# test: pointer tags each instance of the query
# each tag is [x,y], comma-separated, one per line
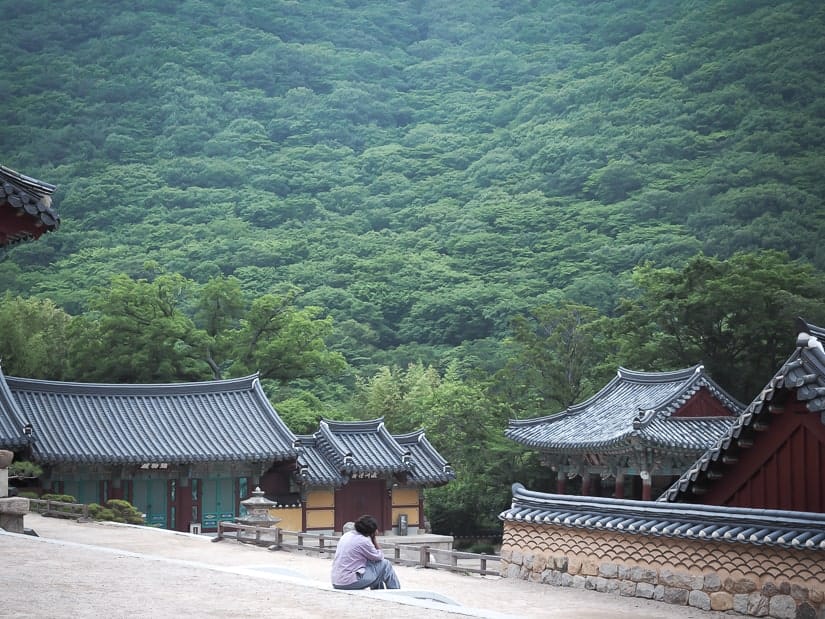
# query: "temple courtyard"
[93,569]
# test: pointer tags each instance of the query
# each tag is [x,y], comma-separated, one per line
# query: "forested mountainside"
[474,186]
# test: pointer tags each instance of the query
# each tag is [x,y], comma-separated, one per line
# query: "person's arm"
[370,549]
[374,539]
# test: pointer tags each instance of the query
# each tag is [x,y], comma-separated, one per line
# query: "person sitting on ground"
[359,562]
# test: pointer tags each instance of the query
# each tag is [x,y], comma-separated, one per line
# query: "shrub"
[63,498]
[116,510]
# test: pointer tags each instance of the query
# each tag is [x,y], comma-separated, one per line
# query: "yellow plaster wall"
[405,496]
[320,519]
[320,498]
[290,518]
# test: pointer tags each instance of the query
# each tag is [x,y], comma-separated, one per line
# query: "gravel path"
[104,570]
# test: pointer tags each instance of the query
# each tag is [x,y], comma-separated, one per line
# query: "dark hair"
[366,525]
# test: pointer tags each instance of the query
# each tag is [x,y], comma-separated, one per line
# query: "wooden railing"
[420,555]
[61,509]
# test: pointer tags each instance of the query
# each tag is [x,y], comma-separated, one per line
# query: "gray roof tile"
[227,420]
[751,526]
[633,406]
[340,449]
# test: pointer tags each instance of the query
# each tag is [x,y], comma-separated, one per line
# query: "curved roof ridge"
[369,425]
[113,389]
[667,376]
[331,442]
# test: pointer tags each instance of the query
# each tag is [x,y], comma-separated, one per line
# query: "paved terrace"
[96,570]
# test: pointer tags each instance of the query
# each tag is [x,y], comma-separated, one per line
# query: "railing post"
[453,559]
[321,544]
[424,556]
[483,564]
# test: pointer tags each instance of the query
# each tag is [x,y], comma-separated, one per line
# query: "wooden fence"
[420,555]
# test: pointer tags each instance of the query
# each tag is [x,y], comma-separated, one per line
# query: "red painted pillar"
[619,490]
[647,483]
[561,483]
[585,484]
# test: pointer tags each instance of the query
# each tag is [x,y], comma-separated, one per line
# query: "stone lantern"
[257,510]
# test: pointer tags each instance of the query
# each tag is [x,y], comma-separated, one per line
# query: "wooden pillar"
[619,489]
[561,483]
[647,483]
[585,483]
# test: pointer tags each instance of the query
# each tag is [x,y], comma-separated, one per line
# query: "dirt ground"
[104,570]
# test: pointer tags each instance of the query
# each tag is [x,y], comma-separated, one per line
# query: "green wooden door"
[83,490]
[150,496]
[218,501]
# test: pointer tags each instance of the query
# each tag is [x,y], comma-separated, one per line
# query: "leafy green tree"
[557,354]
[138,333]
[33,337]
[283,341]
[736,316]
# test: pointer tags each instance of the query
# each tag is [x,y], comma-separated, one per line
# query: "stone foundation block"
[699,599]
[645,590]
[673,595]
[721,600]
[627,588]
[782,607]
[609,570]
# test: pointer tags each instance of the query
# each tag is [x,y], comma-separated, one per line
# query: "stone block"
[578,582]
[758,605]
[527,559]
[625,572]
[805,611]
[659,593]
[699,599]
[642,574]
[674,595]
[590,567]
[505,553]
[645,590]
[721,600]
[799,593]
[551,577]
[516,557]
[677,580]
[560,563]
[567,579]
[611,585]
[770,588]
[740,585]
[627,588]
[574,565]
[740,603]
[512,571]
[609,570]
[816,596]
[712,582]
[782,607]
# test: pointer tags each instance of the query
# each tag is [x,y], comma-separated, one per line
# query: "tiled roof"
[637,406]
[226,420]
[30,198]
[361,447]
[803,372]
[728,524]
[341,449]
[313,468]
[428,467]
[12,434]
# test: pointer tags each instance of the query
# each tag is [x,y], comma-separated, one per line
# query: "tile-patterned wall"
[711,575]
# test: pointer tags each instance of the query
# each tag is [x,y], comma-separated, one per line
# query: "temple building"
[26,211]
[188,454]
[349,468]
[184,454]
[773,455]
[642,430]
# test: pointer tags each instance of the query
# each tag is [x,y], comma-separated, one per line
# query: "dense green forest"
[446,213]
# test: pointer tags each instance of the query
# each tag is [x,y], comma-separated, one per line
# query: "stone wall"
[759,581]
